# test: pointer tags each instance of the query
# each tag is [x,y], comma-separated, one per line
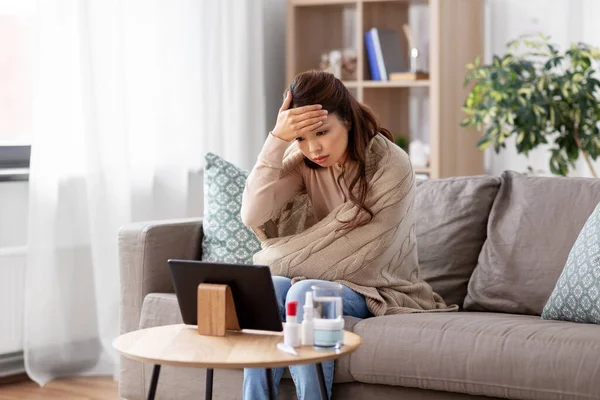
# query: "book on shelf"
[408,76]
[371,55]
[384,53]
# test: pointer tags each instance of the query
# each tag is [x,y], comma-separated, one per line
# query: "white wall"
[566,21]
[274,50]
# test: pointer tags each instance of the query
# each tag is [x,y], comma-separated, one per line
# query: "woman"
[331,198]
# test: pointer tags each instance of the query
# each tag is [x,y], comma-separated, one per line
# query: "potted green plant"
[540,95]
[401,142]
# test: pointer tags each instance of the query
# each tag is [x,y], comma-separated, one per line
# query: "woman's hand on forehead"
[298,121]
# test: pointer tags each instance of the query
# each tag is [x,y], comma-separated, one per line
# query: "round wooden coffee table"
[182,346]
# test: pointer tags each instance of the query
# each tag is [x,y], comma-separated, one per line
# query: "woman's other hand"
[298,121]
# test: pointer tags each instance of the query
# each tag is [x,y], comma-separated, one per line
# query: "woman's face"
[328,145]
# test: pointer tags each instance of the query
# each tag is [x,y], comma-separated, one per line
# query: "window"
[16,91]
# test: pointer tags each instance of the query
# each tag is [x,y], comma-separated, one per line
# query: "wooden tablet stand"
[216,310]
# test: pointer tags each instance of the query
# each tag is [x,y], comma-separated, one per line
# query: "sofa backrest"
[452,216]
[533,224]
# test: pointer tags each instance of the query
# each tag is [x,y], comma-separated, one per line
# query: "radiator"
[12,272]
[11,364]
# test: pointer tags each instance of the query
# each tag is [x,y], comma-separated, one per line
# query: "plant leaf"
[483,143]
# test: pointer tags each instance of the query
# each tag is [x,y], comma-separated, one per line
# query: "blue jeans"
[305,376]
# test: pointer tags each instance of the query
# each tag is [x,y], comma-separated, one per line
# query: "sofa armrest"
[144,249]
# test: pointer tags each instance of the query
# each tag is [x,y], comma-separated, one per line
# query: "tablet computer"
[251,287]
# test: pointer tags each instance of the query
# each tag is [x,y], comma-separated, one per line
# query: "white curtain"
[128,97]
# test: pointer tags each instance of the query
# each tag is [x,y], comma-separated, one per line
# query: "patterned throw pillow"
[226,238]
[576,296]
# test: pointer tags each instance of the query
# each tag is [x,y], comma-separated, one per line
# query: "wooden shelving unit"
[391,84]
[456,33]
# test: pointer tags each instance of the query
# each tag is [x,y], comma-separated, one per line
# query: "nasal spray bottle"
[307,321]
[291,331]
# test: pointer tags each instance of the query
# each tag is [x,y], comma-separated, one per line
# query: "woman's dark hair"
[319,87]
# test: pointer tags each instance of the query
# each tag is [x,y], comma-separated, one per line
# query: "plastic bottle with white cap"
[307,321]
[290,330]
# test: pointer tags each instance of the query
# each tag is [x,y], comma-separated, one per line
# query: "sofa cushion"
[532,226]
[226,238]
[451,228]
[576,296]
[492,354]
[163,309]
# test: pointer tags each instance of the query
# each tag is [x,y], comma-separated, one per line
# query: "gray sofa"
[494,245]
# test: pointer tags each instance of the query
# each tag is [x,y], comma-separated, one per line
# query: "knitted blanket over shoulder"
[378,260]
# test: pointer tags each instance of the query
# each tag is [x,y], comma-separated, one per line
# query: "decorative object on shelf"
[541,95]
[342,64]
[419,154]
[324,64]
[414,55]
[414,59]
[349,61]
[335,63]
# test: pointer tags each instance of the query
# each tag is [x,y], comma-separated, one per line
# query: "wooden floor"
[104,388]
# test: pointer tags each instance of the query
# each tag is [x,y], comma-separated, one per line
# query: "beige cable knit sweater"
[377,260]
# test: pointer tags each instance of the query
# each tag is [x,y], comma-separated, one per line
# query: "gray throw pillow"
[451,229]
[576,296]
[532,226]
[226,238]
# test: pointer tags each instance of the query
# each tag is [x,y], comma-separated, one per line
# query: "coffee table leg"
[270,388]
[209,383]
[154,382]
[322,386]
